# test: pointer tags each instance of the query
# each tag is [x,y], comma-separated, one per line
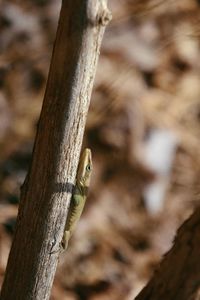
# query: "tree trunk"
[47,189]
[178,276]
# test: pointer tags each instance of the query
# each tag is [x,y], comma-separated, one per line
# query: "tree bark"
[178,276]
[47,189]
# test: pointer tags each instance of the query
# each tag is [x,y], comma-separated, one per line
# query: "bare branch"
[178,276]
[47,189]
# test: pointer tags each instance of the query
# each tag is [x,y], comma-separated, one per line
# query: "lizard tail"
[65,239]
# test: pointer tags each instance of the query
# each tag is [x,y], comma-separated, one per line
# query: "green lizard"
[79,195]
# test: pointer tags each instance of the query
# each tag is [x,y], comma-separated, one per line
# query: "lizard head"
[85,168]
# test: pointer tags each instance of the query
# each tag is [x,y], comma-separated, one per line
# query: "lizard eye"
[88,168]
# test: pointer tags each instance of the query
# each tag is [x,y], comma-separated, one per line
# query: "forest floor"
[143,128]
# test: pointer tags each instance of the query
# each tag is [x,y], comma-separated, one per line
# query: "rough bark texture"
[47,189]
[178,276]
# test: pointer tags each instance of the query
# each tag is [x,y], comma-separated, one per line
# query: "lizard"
[79,196]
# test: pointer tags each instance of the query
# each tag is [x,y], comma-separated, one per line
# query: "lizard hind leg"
[65,239]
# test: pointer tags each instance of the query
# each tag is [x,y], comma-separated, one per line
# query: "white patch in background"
[159,152]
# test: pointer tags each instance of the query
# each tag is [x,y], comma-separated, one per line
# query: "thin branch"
[47,189]
[178,276]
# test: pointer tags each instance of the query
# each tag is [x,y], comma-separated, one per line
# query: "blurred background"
[143,128]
